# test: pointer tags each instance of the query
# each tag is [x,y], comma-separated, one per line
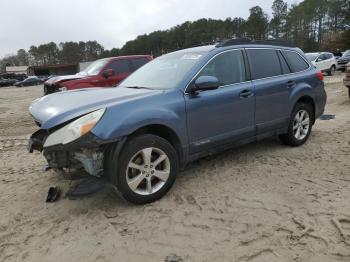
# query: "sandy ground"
[260,202]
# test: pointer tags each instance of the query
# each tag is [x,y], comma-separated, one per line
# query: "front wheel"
[300,125]
[146,169]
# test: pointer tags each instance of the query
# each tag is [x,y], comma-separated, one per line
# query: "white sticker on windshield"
[191,56]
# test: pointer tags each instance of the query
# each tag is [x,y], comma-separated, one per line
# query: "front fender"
[168,110]
[71,85]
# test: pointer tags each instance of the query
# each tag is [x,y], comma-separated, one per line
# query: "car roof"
[218,47]
[127,57]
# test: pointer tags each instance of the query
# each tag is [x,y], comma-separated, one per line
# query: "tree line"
[313,25]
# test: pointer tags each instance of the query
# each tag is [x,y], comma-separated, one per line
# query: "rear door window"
[120,66]
[227,67]
[264,63]
[295,61]
[138,62]
[329,56]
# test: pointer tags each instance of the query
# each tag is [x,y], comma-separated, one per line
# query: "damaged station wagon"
[177,108]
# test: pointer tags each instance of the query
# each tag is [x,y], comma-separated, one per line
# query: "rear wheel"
[145,169]
[331,71]
[300,125]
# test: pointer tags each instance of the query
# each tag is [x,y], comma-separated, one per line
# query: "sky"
[110,22]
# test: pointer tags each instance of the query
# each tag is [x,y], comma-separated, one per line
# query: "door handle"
[246,93]
[291,84]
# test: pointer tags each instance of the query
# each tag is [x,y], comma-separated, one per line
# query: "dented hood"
[58,79]
[52,110]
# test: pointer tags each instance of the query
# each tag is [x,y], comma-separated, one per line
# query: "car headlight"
[75,129]
[63,88]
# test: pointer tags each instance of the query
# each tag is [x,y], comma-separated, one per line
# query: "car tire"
[136,173]
[331,71]
[300,125]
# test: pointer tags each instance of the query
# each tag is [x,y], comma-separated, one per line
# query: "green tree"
[257,23]
[279,15]
[70,52]
[22,57]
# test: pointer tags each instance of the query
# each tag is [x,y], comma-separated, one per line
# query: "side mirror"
[108,73]
[206,83]
[319,60]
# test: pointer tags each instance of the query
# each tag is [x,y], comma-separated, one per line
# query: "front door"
[226,114]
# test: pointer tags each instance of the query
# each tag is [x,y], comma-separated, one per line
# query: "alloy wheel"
[301,124]
[332,70]
[148,171]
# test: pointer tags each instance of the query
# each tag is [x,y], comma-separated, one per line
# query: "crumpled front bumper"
[86,152]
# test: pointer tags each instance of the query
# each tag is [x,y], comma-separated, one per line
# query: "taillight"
[319,75]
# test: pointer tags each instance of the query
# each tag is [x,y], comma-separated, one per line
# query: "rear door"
[321,62]
[272,89]
[330,60]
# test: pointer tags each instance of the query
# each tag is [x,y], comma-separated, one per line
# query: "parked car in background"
[17,77]
[44,78]
[346,79]
[344,60]
[337,55]
[7,82]
[177,108]
[30,81]
[107,72]
[324,61]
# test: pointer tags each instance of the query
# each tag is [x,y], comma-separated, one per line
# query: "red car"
[107,72]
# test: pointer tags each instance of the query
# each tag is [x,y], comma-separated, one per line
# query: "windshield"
[165,72]
[347,53]
[94,68]
[312,57]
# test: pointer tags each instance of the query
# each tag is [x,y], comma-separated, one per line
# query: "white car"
[324,62]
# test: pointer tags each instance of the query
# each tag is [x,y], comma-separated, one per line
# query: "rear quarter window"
[284,65]
[264,63]
[295,61]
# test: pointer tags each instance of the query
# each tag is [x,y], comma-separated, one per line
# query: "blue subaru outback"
[177,108]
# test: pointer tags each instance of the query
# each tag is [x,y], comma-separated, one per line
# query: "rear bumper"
[320,102]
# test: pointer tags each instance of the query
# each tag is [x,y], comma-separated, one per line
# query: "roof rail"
[245,41]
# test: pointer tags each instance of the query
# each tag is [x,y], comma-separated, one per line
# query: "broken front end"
[72,146]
